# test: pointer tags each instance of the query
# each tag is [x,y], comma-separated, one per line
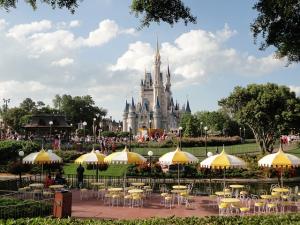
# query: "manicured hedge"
[214,220]
[9,149]
[15,208]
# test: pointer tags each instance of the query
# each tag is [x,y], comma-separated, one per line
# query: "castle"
[156,109]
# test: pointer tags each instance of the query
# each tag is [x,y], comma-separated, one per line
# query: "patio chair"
[115,199]
[223,209]
[168,201]
[127,200]
[272,207]
[84,193]
[137,200]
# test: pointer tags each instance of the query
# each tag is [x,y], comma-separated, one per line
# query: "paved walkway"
[94,208]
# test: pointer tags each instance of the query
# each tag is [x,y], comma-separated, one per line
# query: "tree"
[169,11]
[71,5]
[78,108]
[267,109]
[278,22]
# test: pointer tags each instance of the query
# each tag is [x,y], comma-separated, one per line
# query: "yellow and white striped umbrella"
[223,161]
[42,157]
[279,159]
[177,157]
[124,157]
[93,157]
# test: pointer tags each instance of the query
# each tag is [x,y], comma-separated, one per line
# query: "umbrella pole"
[42,171]
[97,173]
[224,178]
[178,172]
[281,177]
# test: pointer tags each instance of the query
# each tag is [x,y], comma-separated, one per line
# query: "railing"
[27,209]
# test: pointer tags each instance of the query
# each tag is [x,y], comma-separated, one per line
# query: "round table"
[56,187]
[138,184]
[230,200]
[267,197]
[179,187]
[222,193]
[97,184]
[281,190]
[236,186]
[115,189]
[36,185]
[132,191]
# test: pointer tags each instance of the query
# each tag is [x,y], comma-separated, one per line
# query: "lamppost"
[201,123]
[244,133]
[209,154]
[240,132]
[180,134]
[94,129]
[21,154]
[50,124]
[150,124]
[150,154]
[205,130]
[84,124]
[130,131]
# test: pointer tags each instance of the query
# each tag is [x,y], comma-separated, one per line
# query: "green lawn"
[112,170]
[200,151]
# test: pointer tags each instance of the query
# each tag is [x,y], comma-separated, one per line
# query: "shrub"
[9,149]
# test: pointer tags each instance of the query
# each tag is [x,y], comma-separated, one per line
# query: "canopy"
[281,160]
[124,157]
[93,157]
[223,161]
[42,157]
[177,157]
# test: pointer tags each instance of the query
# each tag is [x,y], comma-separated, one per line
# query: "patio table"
[36,185]
[267,197]
[115,189]
[281,190]
[140,184]
[133,191]
[230,200]
[222,193]
[179,187]
[236,186]
[56,187]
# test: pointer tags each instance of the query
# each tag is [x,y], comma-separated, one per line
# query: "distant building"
[43,124]
[156,108]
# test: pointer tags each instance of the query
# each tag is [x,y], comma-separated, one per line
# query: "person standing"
[80,171]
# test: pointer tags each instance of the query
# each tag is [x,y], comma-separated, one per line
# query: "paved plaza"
[94,208]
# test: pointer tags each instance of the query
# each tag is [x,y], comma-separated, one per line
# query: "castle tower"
[187,108]
[157,115]
[132,119]
[158,87]
[125,117]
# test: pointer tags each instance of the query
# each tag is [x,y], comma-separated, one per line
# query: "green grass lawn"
[112,170]
[200,151]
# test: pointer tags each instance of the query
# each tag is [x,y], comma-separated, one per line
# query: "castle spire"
[187,108]
[132,102]
[157,55]
[126,107]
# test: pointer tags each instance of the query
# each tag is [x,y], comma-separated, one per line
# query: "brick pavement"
[94,208]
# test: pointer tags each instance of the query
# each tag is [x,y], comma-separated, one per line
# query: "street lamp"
[244,133]
[84,124]
[50,124]
[240,132]
[180,134]
[94,129]
[150,154]
[201,123]
[21,154]
[205,130]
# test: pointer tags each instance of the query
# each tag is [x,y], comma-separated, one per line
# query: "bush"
[68,155]
[274,219]
[15,208]
[9,149]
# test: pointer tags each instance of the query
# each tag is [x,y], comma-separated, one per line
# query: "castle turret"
[157,115]
[187,108]
[132,119]
[125,116]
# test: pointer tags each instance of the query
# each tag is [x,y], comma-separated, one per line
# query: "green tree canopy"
[78,108]
[267,109]
[278,23]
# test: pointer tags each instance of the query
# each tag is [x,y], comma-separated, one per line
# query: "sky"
[99,51]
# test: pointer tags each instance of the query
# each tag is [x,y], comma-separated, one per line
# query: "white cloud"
[196,56]
[74,23]
[63,62]
[107,30]
[20,31]
[3,24]
[295,89]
